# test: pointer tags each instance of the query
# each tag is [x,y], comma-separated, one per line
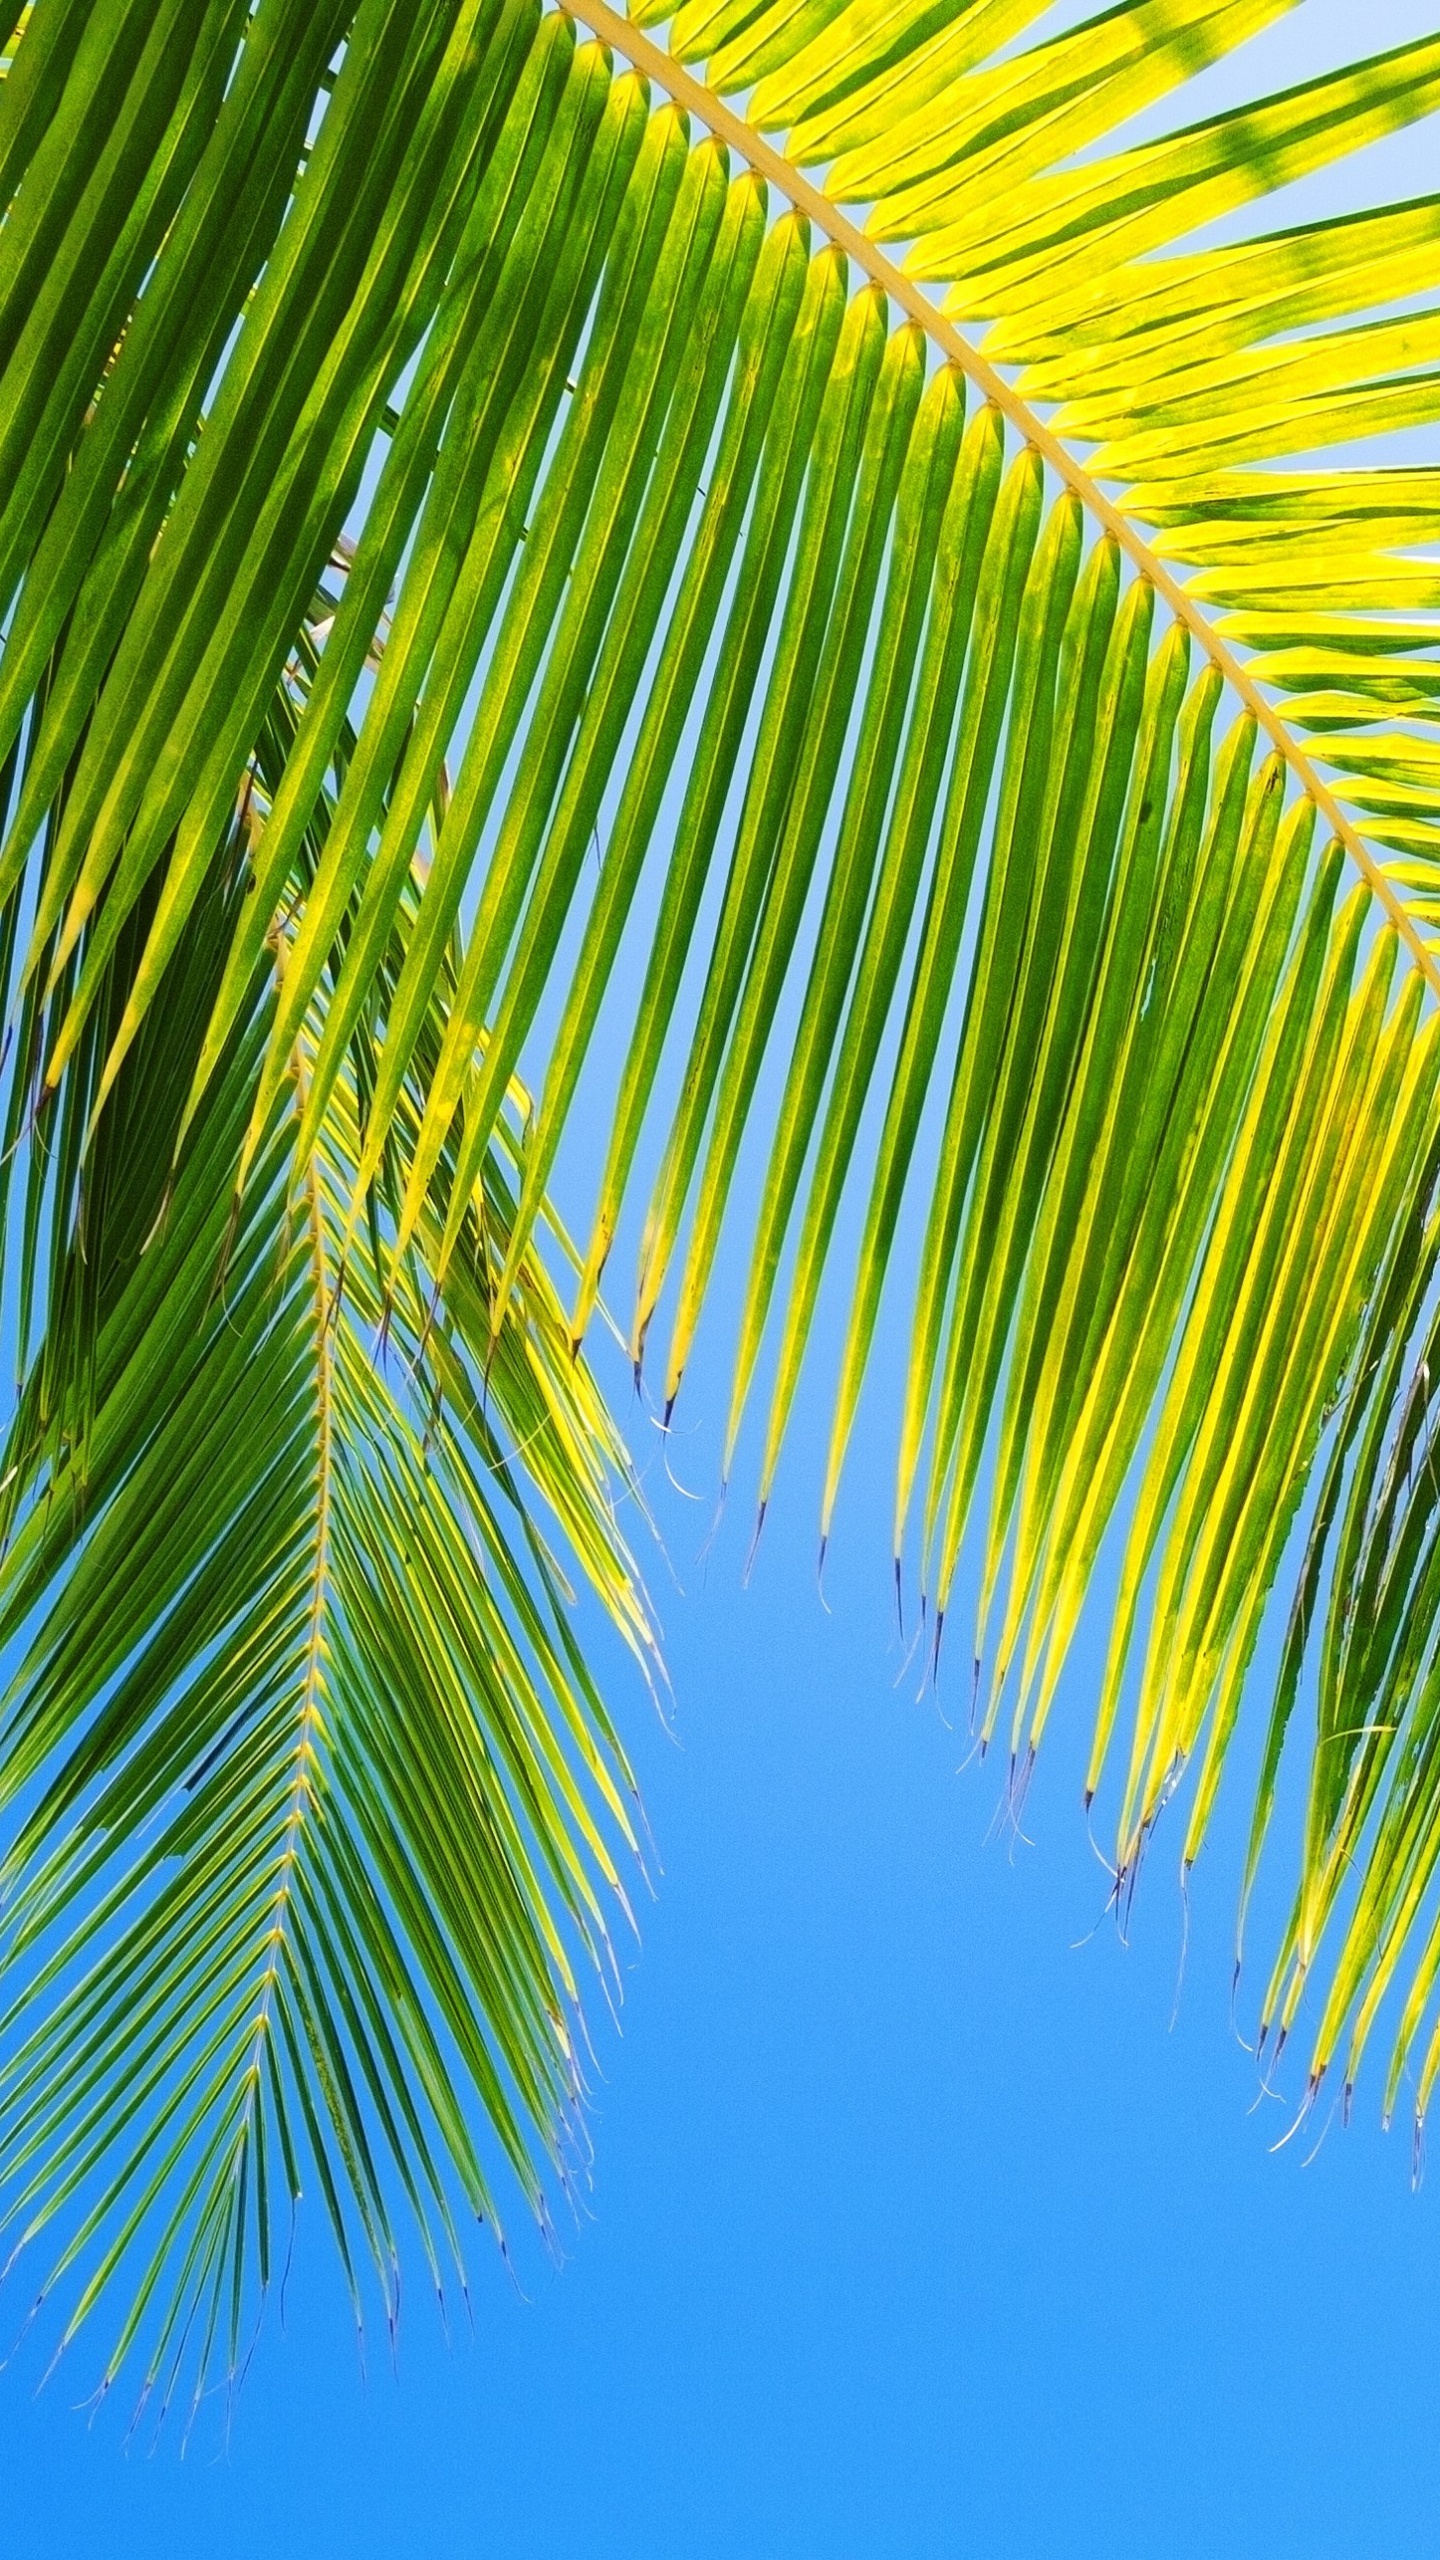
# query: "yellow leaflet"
[1405,759]
[1347,585]
[877,62]
[1148,196]
[1342,359]
[1293,620]
[1316,498]
[1129,322]
[1301,427]
[995,130]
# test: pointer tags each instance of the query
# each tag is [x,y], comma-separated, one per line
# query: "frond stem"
[303,1786]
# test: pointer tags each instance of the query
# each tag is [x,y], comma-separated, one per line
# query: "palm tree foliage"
[1011,759]
[313,1794]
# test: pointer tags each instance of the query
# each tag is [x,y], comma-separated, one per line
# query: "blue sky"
[915,2227]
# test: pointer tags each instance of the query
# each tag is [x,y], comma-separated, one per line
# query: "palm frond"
[976,730]
[313,1803]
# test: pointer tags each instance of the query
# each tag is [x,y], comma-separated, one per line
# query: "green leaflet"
[708,281]
[830,698]
[924,511]
[840,434]
[964,546]
[997,613]
[764,334]
[789,429]
[462,549]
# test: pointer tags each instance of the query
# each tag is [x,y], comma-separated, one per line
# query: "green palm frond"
[313,1801]
[821,464]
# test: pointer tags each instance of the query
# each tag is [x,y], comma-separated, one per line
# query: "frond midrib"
[692,95]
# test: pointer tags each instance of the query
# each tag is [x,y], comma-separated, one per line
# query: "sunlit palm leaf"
[957,857]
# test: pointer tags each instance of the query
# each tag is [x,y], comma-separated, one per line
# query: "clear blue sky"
[915,2229]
